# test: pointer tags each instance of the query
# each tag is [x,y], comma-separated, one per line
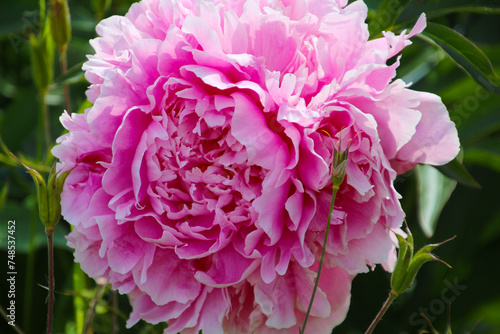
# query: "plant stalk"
[15,327]
[92,307]
[50,304]
[43,126]
[64,69]
[392,296]
[332,203]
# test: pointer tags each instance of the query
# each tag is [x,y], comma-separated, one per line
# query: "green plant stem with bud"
[60,23]
[392,296]
[405,271]
[338,174]
[327,230]
[49,209]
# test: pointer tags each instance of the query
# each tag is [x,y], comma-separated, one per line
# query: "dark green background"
[471,214]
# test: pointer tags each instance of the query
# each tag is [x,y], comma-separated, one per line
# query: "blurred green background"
[472,286]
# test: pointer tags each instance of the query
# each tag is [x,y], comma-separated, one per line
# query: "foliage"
[456,58]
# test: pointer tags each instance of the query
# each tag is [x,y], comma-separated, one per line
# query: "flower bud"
[54,189]
[408,264]
[101,7]
[41,192]
[42,58]
[60,22]
[48,194]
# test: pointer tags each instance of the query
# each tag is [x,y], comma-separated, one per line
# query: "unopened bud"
[60,23]
[42,58]
[408,264]
[101,7]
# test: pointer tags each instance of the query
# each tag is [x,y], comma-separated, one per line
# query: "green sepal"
[415,266]
[56,183]
[41,192]
[408,263]
[429,248]
[402,264]
[55,206]
[60,22]
[42,58]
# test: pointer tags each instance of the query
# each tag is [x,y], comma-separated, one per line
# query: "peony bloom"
[201,175]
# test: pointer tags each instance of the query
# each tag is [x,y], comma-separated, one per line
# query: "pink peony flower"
[201,175]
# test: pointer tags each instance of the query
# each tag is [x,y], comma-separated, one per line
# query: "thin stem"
[79,284]
[332,203]
[50,243]
[4,315]
[41,4]
[392,296]
[91,311]
[46,120]
[43,126]
[64,69]
[114,321]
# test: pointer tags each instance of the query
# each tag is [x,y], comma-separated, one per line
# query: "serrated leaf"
[456,171]
[434,190]
[464,53]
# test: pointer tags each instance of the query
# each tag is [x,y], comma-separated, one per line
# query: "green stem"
[64,69]
[392,296]
[42,13]
[43,126]
[114,321]
[4,315]
[46,121]
[91,311]
[50,245]
[332,203]
[79,285]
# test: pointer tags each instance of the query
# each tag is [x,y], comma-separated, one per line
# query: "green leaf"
[386,15]
[484,157]
[438,8]
[463,9]
[464,53]
[456,171]
[434,190]
[73,75]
